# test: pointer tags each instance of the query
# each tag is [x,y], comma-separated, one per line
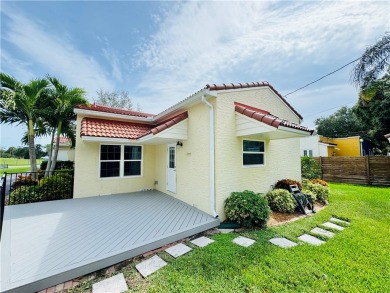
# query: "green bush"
[321,192]
[285,184]
[281,200]
[24,180]
[56,186]
[310,196]
[247,208]
[24,194]
[310,169]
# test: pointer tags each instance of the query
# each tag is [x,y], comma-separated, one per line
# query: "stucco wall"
[192,162]
[349,146]
[87,181]
[282,156]
[66,154]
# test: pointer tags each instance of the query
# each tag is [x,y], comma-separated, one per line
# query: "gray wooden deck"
[44,244]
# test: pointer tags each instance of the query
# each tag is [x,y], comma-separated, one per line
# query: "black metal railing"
[29,187]
[2,201]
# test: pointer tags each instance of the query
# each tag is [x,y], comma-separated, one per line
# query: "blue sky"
[162,52]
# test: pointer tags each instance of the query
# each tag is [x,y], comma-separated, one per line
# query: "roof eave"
[148,120]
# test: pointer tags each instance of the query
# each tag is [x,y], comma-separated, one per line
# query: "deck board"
[44,244]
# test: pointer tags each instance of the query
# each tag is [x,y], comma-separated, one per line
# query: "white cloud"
[54,54]
[201,42]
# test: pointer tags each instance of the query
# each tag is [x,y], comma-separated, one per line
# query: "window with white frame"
[120,160]
[307,153]
[253,152]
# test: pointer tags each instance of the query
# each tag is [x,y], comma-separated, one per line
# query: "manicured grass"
[16,165]
[355,260]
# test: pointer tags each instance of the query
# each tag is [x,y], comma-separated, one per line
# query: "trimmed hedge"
[247,208]
[281,200]
[60,165]
[321,192]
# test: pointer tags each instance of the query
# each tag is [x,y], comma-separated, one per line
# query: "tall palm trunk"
[31,146]
[55,154]
[49,161]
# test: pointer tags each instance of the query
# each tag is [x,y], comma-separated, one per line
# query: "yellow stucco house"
[224,138]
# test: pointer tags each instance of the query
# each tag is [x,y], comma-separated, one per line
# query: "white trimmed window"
[253,153]
[120,160]
[307,153]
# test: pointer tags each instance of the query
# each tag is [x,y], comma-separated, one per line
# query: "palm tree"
[19,105]
[61,116]
[374,61]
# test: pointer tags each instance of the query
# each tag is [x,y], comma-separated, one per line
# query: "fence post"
[368,170]
[322,175]
[3,181]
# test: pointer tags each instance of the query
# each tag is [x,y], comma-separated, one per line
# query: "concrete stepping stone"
[226,231]
[333,219]
[322,232]
[150,265]
[243,241]
[310,239]
[202,241]
[115,284]
[283,242]
[178,250]
[333,226]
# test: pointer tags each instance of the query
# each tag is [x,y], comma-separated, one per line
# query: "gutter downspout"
[212,157]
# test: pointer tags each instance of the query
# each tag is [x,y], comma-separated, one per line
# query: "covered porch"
[47,243]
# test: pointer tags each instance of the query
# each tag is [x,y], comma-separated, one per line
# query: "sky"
[162,52]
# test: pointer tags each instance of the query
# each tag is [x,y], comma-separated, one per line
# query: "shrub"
[24,194]
[56,186]
[285,184]
[247,208]
[310,196]
[321,192]
[310,169]
[281,200]
[319,181]
[60,165]
[26,180]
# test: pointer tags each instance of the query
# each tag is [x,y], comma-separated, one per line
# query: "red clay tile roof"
[267,118]
[118,129]
[230,86]
[63,140]
[112,129]
[112,110]
[166,124]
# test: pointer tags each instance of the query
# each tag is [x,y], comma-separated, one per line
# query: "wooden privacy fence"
[358,170]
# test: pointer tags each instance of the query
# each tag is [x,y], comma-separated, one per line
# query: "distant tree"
[342,123]
[373,110]
[373,62]
[39,151]
[19,105]
[116,99]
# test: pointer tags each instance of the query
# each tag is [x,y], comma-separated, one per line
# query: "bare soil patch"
[277,218]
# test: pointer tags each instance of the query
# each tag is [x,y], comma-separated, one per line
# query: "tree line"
[370,116]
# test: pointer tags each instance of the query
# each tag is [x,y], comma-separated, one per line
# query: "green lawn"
[354,260]
[16,165]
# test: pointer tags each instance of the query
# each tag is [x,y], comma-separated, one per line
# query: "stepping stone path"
[322,232]
[243,241]
[115,284]
[202,241]
[333,226]
[150,265]
[282,242]
[339,221]
[178,250]
[310,239]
